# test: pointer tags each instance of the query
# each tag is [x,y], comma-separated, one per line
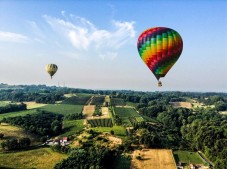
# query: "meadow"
[63,109]
[4,103]
[117,102]
[40,158]
[118,130]
[18,113]
[128,115]
[153,159]
[186,157]
[72,127]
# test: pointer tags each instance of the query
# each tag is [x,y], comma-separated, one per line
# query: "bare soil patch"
[181,104]
[153,158]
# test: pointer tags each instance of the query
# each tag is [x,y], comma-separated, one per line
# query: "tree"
[1,135]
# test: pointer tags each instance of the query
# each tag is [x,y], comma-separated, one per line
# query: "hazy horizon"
[95,48]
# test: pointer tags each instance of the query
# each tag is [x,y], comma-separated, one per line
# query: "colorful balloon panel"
[160,48]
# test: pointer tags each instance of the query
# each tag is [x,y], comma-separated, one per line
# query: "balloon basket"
[159,84]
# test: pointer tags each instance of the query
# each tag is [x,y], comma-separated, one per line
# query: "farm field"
[98,100]
[4,103]
[10,131]
[186,156]
[72,126]
[181,104]
[117,102]
[76,100]
[89,110]
[126,112]
[63,109]
[18,113]
[41,158]
[153,158]
[131,104]
[100,122]
[33,105]
[128,115]
[118,130]
[107,98]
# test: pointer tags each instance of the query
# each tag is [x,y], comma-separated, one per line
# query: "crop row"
[102,122]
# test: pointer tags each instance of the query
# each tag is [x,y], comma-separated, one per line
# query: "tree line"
[13,108]
[41,123]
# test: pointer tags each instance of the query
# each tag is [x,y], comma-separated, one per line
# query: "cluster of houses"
[58,141]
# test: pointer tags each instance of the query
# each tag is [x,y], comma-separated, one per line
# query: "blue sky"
[94,43]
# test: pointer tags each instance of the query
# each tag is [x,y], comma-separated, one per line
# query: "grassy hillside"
[76,100]
[186,156]
[72,126]
[63,109]
[129,116]
[19,113]
[4,103]
[118,130]
[117,102]
[41,158]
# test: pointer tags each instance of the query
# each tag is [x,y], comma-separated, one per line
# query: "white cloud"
[83,35]
[12,37]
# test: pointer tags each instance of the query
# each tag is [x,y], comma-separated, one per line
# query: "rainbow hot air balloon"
[160,48]
[51,69]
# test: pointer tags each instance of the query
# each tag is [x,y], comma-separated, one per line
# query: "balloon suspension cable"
[159,83]
[51,77]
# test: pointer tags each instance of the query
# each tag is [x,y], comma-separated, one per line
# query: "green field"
[72,126]
[10,131]
[76,100]
[186,156]
[118,130]
[117,102]
[4,103]
[41,158]
[100,122]
[126,112]
[131,104]
[63,109]
[18,113]
[98,100]
[128,115]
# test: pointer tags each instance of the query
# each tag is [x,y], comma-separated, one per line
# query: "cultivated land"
[181,104]
[41,158]
[63,109]
[72,127]
[76,100]
[97,100]
[88,111]
[4,103]
[33,105]
[153,159]
[118,130]
[128,115]
[18,113]
[10,131]
[186,157]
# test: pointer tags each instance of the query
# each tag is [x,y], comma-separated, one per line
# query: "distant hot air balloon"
[160,48]
[51,69]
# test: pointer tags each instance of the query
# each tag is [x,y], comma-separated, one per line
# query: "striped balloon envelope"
[160,48]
